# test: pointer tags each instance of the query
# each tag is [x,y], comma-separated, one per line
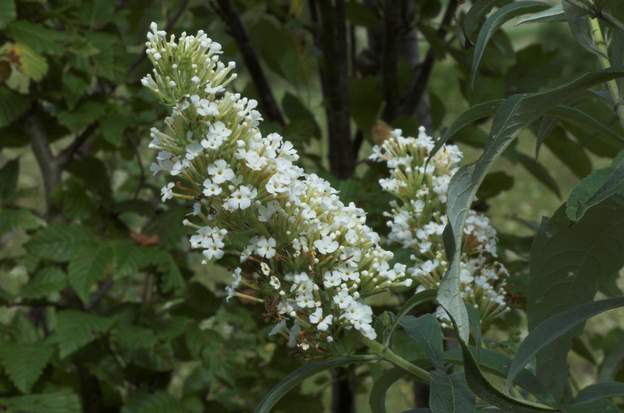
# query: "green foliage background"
[103,308]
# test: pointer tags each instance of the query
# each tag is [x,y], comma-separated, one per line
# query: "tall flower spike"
[308,257]
[418,218]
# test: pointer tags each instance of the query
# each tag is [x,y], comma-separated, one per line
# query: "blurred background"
[102,307]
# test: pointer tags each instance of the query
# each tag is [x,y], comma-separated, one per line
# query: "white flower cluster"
[308,257]
[418,218]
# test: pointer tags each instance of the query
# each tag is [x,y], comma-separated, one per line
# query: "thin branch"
[69,152]
[416,92]
[334,72]
[390,60]
[236,29]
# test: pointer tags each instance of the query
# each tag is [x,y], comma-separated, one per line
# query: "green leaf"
[557,326]
[493,184]
[497,19]
[476,112]
[569,262]
[512,115]
[569,152]
[581,118]
[600,391]
[57,402]
[536,169]
[594,189]
[38,37]
[12,105]
[296,377]
[414,301]
[450,394]
[32,64]
[553,14]
[8,179]
[57,242]
[159,402]
[578,21]
[473,18]
[45,282]
[24,363]
[83,116]
[426,332]
[7,12]
[485,390]
[18,218]
[76,329]
[365,101]
[87,265]
[377,398]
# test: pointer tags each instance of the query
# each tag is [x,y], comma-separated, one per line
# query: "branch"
[390,60]
[416,92]
[48,164]
[68,153]
[334,71]
[268,103]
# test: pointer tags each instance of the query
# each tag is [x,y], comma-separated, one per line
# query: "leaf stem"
[390,356]
[603,58]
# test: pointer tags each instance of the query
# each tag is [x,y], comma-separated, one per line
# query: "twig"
[69,152]
[390,60]
[268,103]
[416,92]
[334,71]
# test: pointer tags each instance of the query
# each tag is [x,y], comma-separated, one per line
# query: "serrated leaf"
[24,363]
[596,188]
[8,179]
[18,218]
[82,116]
[296,377]
[45,282]
[159,402]
[32,64]
[7,12]
[40,38]
[450,394]
[496,20]
[57,402]
[515,113]
[555,327]
[87,265]
[57,242]
[76,329]
[12,105]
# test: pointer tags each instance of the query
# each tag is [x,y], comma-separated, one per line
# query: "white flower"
[166,191]
[275,282]
[324,325]
[204,107]
[211,188]
[217,134]
[316,316]
[326,245]
[265,247]
[220,171]
[241,198]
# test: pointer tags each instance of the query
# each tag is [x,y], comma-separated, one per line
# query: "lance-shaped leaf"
[496,20]
[449,394]
[555,327]
[296,377]
[600,391]
[515,113]
[377,398]
[553,14]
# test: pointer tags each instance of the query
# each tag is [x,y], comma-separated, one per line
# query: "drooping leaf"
[569,263]
[516,112]
[377,398]
[493,184]
[485,390]
[568,152]
[555,327]
[296,377]
[449,394]
[497,19]
[24,363]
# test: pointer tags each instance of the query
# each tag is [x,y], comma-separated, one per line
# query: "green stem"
[603,58]
[385,353]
